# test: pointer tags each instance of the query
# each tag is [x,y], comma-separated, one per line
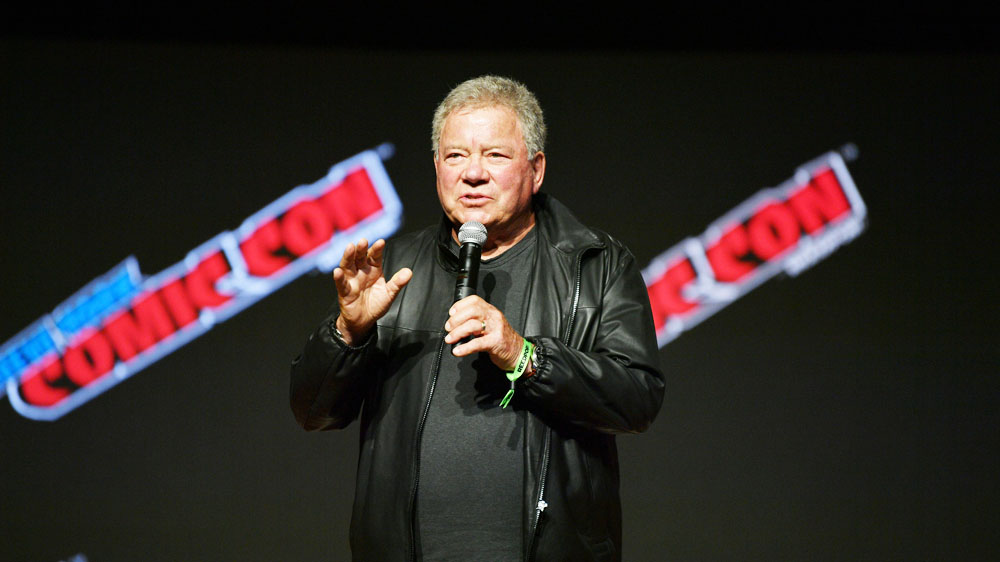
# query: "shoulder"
[565,232]
[613,256]
[612,245]
[604,259]
[573,236]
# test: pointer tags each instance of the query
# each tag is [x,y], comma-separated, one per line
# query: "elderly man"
[560,328]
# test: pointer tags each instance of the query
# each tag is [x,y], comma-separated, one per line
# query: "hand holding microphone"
[472,322]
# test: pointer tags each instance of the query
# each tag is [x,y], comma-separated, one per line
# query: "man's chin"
[482,218]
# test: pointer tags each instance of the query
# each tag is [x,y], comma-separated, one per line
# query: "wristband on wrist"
[339,336]
[527,350]
[338,333]
[534,363]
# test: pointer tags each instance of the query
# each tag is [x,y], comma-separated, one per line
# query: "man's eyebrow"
[500,146]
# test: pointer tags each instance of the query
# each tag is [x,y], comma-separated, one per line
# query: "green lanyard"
[522,365]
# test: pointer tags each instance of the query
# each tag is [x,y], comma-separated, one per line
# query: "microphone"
[471,236]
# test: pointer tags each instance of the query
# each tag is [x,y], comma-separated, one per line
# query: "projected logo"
[121,322]
[785,229]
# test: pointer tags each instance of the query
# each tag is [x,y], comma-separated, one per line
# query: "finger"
[470,328]
[374,258]
[340,280]
[479,314]
[375,253]
[469,301]
[361,254]
[347,262]
[503,346]
[468,307]
[474,345]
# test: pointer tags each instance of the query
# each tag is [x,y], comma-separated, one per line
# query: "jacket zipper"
[416,460]
[540,505]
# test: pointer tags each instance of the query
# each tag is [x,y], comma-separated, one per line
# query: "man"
[561,327]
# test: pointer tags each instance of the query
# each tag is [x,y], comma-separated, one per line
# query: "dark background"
[850,413]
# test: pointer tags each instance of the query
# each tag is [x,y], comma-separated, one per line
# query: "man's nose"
[474,172]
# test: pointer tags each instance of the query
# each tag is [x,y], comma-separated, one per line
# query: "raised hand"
[363,293]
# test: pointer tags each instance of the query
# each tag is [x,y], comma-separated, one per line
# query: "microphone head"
[472,231]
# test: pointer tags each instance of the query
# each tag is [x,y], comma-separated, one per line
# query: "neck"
[499,240]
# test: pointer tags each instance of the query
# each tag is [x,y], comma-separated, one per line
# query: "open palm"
[363,293]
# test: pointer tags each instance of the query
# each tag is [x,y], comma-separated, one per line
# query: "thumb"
[398,281]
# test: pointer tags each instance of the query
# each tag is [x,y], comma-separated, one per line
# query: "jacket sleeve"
[330,379]
[616,385]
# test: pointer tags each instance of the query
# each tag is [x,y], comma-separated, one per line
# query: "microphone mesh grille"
[472,231]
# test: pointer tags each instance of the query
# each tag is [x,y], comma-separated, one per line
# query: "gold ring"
[484,327]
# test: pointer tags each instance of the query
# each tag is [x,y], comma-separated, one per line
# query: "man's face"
[483,170]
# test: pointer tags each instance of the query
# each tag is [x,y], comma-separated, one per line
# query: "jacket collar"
[560,228]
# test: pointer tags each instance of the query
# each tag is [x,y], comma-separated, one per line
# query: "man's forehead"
[472,108]
[509,118]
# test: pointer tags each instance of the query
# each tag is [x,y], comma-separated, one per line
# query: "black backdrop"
[848,413]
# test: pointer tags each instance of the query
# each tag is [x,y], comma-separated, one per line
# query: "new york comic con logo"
[781,230]
[122,322]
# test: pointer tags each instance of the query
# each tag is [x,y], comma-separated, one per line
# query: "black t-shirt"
[471,452]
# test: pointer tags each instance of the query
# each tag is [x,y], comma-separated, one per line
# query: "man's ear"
[538,165]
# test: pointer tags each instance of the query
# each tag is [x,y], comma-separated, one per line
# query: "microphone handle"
[468,273]
[461,292]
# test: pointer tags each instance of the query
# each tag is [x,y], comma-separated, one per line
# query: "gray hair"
[486,91]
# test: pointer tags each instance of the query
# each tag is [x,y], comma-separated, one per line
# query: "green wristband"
[522,365]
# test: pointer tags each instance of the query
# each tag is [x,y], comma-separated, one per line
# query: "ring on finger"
[483,330]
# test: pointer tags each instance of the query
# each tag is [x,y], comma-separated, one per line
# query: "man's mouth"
[473,198]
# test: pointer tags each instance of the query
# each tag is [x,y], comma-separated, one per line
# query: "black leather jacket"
[598,374]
